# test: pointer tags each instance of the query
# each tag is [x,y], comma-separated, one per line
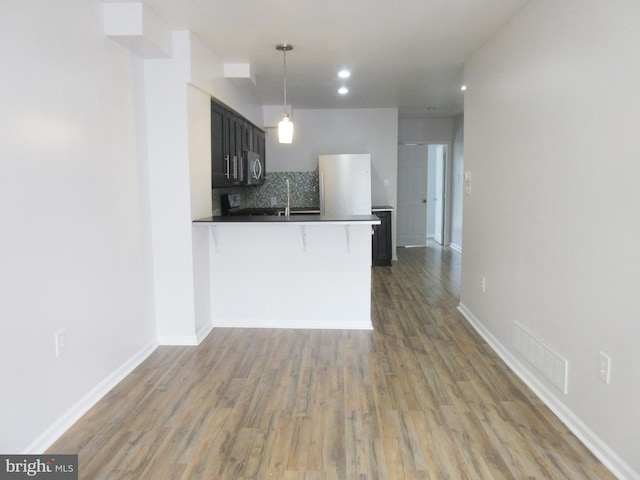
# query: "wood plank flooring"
[420,397]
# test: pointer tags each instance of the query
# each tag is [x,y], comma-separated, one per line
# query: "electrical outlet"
[604,367]
[483,283]
[60,339]
[274,201]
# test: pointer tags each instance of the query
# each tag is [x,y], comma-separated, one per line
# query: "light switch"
[467,183]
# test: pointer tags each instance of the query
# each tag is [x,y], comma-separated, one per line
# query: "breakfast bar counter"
[297,271]
[294,218]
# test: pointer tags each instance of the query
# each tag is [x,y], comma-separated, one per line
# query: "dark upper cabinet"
[225,163]
[258,144]
[235,126]
[247,137]
[219,147]
[231,135]
[381,248]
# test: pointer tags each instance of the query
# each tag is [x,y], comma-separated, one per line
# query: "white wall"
[207,73]
[74,246]
[369,130]
[98,199]
[165,93]
[199,126]
[324,269]
[176,92]
[425,130]
[457,176]
[551,139]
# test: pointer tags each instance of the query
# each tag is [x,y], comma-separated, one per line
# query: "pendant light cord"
[284,65]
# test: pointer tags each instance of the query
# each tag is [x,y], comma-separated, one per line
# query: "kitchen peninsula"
[298,271]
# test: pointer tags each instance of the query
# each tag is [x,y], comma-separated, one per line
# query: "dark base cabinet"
[381,247]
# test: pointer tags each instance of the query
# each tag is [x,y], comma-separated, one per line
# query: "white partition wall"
[290,275]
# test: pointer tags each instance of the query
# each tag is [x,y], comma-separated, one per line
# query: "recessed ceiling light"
[463,88]
[344,73]
[343,90]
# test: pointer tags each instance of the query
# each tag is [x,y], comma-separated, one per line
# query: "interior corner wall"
[551,141]
[457,177]
[74,245]
[207,73]
[166,102]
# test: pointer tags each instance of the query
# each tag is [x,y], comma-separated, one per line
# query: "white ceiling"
[407,54]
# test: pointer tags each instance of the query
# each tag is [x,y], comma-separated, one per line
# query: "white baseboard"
[364,324]
[71,416]
[455,247]
[178,340]
[186,340]
[600,449]
[203,333]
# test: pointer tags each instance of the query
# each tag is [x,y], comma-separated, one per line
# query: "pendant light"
[285,127]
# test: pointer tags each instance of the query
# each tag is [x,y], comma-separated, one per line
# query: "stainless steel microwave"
[253,168]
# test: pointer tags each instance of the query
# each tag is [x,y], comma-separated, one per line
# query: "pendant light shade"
[285,127]
[285,130]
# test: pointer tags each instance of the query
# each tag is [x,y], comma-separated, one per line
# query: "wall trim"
[599,448]
[72,415]
[178,340]
[203,333]
[327,324]
[455,247]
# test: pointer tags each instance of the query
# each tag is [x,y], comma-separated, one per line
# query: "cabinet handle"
[235,167]
[322,203]
[227,160]
[257,170]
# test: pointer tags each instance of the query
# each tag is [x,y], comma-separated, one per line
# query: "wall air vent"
[540,355]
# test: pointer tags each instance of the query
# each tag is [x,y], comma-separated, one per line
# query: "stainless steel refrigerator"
[345,184]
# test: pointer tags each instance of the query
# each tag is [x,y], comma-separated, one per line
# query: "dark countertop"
[296,218]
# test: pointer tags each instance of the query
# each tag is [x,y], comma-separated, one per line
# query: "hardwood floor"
[422,396]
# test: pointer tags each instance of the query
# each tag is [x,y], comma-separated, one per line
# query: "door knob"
[424,200]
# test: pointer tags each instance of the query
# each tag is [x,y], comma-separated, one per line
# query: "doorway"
[422,172]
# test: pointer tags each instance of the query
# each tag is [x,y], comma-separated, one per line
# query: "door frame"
[439,170]
[447,185]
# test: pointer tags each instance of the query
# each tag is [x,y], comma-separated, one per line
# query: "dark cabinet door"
[226,147]
[219,147]
[235,138]
[259,145]
[247,137]
[381,248]
[232,157]
[239,139]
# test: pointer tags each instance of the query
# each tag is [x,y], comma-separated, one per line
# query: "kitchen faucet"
[287,209]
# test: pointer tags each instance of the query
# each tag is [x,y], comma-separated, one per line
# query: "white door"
[439,195]
[412,191]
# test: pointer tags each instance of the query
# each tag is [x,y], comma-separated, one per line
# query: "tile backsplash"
[303,191]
